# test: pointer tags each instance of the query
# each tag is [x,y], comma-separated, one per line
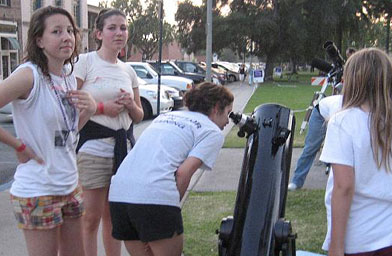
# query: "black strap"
[93,131]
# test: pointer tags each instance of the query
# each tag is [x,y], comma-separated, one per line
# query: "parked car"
[232,74]
[146,72]
[232,66]
[173,93]
[6,113]
[190,67]
[149,98]
[217,73]
[171,69]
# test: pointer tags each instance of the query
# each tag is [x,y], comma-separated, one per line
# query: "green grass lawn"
[203,213]
[295,95]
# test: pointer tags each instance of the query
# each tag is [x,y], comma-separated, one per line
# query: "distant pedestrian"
[350,51]
[103,141]
[145,193]
[358,145]
[251,75]
[242,73]
[48,111]
[315,136]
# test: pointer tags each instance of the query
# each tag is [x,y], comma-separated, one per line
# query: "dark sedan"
[170,68]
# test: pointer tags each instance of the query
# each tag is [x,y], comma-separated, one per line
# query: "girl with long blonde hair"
[358,145]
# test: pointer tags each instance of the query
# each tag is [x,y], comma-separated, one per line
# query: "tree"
[381,9]
[146,37]
[191,27]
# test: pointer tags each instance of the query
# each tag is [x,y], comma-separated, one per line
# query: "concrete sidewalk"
[226,173]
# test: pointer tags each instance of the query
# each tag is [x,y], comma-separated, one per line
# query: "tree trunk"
[293,66]
[388,28]
[269,67]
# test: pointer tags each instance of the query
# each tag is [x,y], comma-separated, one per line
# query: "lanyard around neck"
[70,124]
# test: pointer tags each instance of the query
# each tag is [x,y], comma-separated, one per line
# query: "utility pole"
[209,40]
[160,54]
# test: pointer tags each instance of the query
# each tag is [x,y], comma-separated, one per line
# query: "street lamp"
[209,40]
[160,2]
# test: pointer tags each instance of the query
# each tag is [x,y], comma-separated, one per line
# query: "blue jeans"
[313,141]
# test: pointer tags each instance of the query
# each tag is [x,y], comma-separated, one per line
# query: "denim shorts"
[145,222]
[47,212]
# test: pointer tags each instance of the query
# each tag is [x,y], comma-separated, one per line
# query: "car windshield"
[152,70]
[176,67]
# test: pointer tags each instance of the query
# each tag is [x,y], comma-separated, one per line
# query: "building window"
[58,3]
[37,4]
[5,2]
[77,12]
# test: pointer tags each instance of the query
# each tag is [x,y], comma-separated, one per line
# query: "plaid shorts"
[47,212]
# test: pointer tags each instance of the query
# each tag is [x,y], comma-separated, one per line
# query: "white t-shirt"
[347,142]
[147,174]
[40,122]
[103,80]
[330,105]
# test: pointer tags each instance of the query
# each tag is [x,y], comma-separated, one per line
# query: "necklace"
[66,107]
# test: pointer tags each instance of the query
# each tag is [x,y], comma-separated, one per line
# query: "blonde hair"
[368,82]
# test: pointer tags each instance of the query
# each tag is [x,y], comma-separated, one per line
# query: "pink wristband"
[100,108]
[21,148]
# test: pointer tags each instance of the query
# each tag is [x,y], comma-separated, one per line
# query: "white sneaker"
[292,187]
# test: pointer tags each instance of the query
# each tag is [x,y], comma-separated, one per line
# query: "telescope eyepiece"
[246,123]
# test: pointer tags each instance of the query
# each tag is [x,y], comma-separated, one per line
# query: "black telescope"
[333,53]
[258,227]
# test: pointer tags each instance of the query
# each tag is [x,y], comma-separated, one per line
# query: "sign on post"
[258,76]
[318,80]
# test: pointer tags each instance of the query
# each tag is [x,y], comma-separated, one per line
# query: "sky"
[170,7]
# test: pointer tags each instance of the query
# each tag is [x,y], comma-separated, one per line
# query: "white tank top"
[47,123]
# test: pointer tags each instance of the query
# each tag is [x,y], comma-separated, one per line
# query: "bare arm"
[17,86]
[8,139]
[342,195]
[184,173]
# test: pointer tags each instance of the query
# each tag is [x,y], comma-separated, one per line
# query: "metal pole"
[160,55]
[209,40]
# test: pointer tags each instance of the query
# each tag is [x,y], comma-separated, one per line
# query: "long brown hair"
[368,82]
[100,22]
[36,29]
[205,96]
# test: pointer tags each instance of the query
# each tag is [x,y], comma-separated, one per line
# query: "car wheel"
[232,78]
[146,109]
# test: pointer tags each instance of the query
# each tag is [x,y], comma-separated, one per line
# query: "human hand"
[83,101]
[27,154]
[125,99]
[112,108]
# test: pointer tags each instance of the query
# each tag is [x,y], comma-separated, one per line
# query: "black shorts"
[145,222]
